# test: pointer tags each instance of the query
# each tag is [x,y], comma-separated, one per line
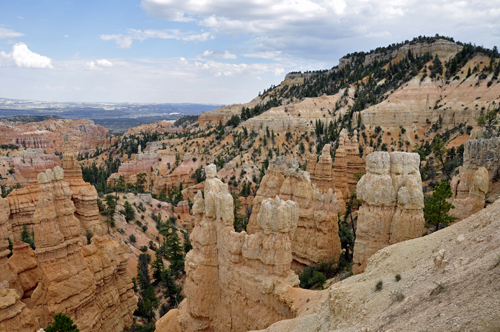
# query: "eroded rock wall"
[84,195]
[236,281]
[392,204]
[471,184]
[316,238]
[88,283]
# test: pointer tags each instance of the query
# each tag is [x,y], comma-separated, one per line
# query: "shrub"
[88,235]
[397,296]
[397,277]
[440,288]
[379,286]
[144,248]
[132,238]
[144,228]
[62,323]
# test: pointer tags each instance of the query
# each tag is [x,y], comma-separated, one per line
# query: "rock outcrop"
[392,204]
[449,282]
[23,201]
[88,283]
[347,164]
[233,278]
[316,238]
[84,195]
[14,315]
[470,186]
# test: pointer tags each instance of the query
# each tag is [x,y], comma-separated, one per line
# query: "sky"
[206,51]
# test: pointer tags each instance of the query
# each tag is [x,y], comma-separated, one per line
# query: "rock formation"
[23,201]
[449,282]
[88,283]
[392,204]
[316,238]
[347,164]
[235,281]
[84,195]
[470,186]
[14,315]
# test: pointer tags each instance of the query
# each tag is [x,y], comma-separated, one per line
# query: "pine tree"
[171,291]
[157,267]
[129,211]
[175,254]
[26,237]
[62,323]
[436,208]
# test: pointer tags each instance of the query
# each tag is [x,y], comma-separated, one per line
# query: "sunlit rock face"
[231,278]
[392,204]
[316,238]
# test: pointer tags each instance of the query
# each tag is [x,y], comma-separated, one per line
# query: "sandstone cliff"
[23,201]
[88,283]
[316,238]
[233,278]
[392,204]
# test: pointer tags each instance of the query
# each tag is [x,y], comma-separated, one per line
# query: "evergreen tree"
[175,254]
[157,267]
[111,203]
[129,211]
[61,323]
[439,150]
[26,237]
[171,291]
[187,243]
[436,208]
[240,220]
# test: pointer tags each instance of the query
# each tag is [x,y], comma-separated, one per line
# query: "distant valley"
[117,117]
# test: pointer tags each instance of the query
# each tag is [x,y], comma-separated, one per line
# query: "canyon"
[305,207]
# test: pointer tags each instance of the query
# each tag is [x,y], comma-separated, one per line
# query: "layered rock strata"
[23,201]
[392,204]
[88,283]
[316,238]
[14,315]
[233,278]
[471,184]
[84,194]
[348,165]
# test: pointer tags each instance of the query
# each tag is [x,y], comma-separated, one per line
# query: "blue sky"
[205,51]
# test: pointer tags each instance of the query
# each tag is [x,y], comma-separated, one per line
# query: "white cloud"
[263,55]
[328,29]
[102,63]
[219,55]
[8,33]
[23,57]
[125,41]
[66,36]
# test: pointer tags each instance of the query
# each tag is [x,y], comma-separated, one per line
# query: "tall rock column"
[6,274]
[316,238]
[392,204]
[236,281]
[84,194]
[471,184]
[67,285]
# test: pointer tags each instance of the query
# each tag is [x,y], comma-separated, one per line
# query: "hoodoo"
[231,278]
[392,204]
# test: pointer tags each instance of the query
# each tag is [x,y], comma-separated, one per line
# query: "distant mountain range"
[115,116]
